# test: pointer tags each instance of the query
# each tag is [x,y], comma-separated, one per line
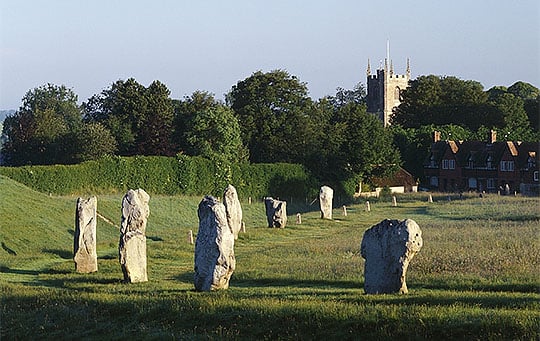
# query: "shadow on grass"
[293,283]
[64,254]
[5,269]
[533,288]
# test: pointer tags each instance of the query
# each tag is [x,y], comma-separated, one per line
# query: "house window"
[491,183]
[535,175]
[452,164]
[444,164]
[432,163]
[507,166]
[531,162]
[434,181]
[489,162]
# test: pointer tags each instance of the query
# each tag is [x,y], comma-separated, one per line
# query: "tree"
[42,130]
[94,141]
[367,149]
[273,112]
[154,137]
[345,96]
[139,118]
[444,100]
[208,128]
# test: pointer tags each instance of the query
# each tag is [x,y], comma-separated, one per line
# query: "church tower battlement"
[384,89]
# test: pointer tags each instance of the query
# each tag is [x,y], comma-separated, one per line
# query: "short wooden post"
[344,210]
[394,201]
[243,227]
[249,200]
[430,198]
[298,218]
[368,207]
[190,237]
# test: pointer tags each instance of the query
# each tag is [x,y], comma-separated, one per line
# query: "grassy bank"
[475,278]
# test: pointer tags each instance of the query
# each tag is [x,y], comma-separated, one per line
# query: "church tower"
[384,89]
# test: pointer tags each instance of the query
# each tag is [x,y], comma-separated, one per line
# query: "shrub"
[167,175]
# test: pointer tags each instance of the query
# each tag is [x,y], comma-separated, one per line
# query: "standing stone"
[344,210]
[214,247]
[132,246]
[84,244]
[368,207]
[430,198]
[388,247]
[276,212]
[233,209]
[326,194]
[394,201]
[298,218]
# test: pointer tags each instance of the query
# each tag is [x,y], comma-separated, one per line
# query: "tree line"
[265,118]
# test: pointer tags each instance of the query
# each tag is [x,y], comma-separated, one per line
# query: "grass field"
[477,276]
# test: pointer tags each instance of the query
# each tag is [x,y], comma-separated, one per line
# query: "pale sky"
[212,44]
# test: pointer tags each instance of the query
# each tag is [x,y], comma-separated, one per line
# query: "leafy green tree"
[121,109]
[515,123]
[345,96]
[524,90]
[94,141]
[444,100]
[367,149]
[209,129]
[154,137]
[139,118]
[42,130]
[273,112]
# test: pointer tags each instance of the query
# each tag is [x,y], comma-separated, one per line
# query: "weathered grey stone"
[233,209]
[388,248]
[132,246]
[84,244]
[276,212]
[214,247]
[326,194]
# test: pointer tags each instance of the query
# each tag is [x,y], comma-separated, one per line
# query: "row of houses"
[483,166]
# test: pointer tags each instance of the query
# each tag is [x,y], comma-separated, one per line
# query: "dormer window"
[531,162]
[432,162]
[489,162]
[470,162]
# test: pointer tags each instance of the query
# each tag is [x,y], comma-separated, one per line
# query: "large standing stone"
[233,209]
[132,246]
[388,247]
[276,212]
[214,247]
[326,195]
[84,244]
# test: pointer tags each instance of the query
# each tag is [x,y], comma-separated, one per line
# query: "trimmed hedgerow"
[167,175]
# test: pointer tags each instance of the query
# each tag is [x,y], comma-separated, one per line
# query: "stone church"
[384,89]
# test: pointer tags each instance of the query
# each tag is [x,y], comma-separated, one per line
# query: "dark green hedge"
[167,175]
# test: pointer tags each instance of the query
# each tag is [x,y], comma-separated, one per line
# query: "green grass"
[476,277]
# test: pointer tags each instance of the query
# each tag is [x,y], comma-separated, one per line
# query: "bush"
[167,175]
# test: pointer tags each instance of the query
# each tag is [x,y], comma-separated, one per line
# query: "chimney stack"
[436,136]
[492,138]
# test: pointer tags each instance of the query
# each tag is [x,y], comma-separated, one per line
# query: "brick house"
[490,166]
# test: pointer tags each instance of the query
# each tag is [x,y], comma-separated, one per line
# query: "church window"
[397,94]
